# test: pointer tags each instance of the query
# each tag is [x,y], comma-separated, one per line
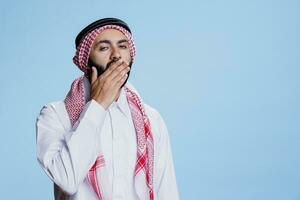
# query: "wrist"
[102,103]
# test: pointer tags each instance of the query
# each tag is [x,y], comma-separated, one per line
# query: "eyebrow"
[109,42]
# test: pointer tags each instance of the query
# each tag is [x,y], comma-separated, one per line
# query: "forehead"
[111,34]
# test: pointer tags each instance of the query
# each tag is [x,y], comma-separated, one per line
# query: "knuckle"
[120,68]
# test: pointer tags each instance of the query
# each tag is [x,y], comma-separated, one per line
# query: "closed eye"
[123,46]
[103,48]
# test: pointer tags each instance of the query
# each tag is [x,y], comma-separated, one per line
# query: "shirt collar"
[122,103]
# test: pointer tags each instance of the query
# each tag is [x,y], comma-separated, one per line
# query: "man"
[102,141]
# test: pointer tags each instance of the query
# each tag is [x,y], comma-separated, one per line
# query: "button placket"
[118,154]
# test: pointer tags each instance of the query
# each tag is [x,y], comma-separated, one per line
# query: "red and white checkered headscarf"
[83,50]
[75,101]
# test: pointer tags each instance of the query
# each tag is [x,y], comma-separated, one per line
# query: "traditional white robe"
[66,154]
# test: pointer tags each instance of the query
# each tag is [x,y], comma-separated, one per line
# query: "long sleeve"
[67,155]
[165,173]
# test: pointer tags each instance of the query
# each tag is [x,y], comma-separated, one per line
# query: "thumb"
[94,75]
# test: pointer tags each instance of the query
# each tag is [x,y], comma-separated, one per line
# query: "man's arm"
[67,156]
[165,179]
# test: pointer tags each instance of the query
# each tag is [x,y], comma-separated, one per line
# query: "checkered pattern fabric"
[145,145]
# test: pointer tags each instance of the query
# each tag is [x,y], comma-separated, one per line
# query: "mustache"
[110,63]
[101,69]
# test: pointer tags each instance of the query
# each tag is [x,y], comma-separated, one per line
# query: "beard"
[101,69]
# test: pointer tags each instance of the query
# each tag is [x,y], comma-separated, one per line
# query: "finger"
[120,71]
[112,67]
[119,76]
[94,75]
[121,81]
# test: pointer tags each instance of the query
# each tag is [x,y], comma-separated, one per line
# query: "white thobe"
[66,154]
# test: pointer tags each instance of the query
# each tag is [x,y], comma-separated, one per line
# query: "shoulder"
[54,112]
[52,108]
[158,126]
[152,112]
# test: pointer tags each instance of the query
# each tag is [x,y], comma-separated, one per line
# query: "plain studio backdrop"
[224,75]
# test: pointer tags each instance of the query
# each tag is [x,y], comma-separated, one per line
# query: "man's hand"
[106,87]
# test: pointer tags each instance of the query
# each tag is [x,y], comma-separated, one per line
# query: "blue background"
[223,74]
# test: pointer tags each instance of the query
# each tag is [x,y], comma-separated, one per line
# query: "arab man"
[102,142]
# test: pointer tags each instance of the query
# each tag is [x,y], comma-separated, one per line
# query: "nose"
[115,54]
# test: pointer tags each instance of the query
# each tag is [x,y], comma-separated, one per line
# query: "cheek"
[126,56]
[99,58]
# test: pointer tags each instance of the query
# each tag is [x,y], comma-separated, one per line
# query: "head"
[102,43]
[109,46]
